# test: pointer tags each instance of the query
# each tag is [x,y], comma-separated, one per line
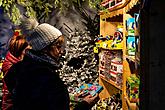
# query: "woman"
[38,85]
[17,47]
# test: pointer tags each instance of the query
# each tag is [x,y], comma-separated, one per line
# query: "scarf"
[42,57]
[9,61]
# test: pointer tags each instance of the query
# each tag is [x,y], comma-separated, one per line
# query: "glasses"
[62,46]
[58,44]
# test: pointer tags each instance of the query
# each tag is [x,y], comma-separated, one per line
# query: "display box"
[82,91]
[130,26]
[116,66]
[131,46]
[116,69]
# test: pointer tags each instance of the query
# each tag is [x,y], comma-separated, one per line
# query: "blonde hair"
[17,44]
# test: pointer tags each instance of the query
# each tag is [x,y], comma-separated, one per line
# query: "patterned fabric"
[43,35]
[6,98]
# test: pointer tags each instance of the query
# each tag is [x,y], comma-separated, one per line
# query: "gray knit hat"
[41,35]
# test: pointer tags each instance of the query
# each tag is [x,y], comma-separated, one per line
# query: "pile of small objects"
[111,103]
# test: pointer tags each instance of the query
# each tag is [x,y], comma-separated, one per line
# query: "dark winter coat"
[36,86]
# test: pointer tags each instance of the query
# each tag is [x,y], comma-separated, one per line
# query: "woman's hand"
[91,99]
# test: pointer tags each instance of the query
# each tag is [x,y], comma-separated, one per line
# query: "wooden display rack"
[108,25]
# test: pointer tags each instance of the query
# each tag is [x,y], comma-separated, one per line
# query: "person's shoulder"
[15,67]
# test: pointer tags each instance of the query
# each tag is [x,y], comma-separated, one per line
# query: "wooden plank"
[108,89]
[108,28]
[111,82]
[131,106]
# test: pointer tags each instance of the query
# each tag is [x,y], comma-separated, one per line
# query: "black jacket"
[36,86]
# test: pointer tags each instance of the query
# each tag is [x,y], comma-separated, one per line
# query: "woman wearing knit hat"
[37,85]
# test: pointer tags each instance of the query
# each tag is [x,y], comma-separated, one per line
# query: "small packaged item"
[116,66]
[90,89]
[130,26]
[131,48]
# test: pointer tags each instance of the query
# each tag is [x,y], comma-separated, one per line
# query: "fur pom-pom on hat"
[28,24]
[40,35]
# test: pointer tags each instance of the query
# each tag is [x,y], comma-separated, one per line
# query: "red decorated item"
[16,33]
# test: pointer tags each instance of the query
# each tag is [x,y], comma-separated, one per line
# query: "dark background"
[152,92]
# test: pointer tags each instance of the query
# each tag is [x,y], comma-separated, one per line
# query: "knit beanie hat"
[41,35]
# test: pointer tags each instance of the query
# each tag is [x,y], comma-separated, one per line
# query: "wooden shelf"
[111,82]
[109,20]
[136,33]
[112,48]
[117,18]
[131,106]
